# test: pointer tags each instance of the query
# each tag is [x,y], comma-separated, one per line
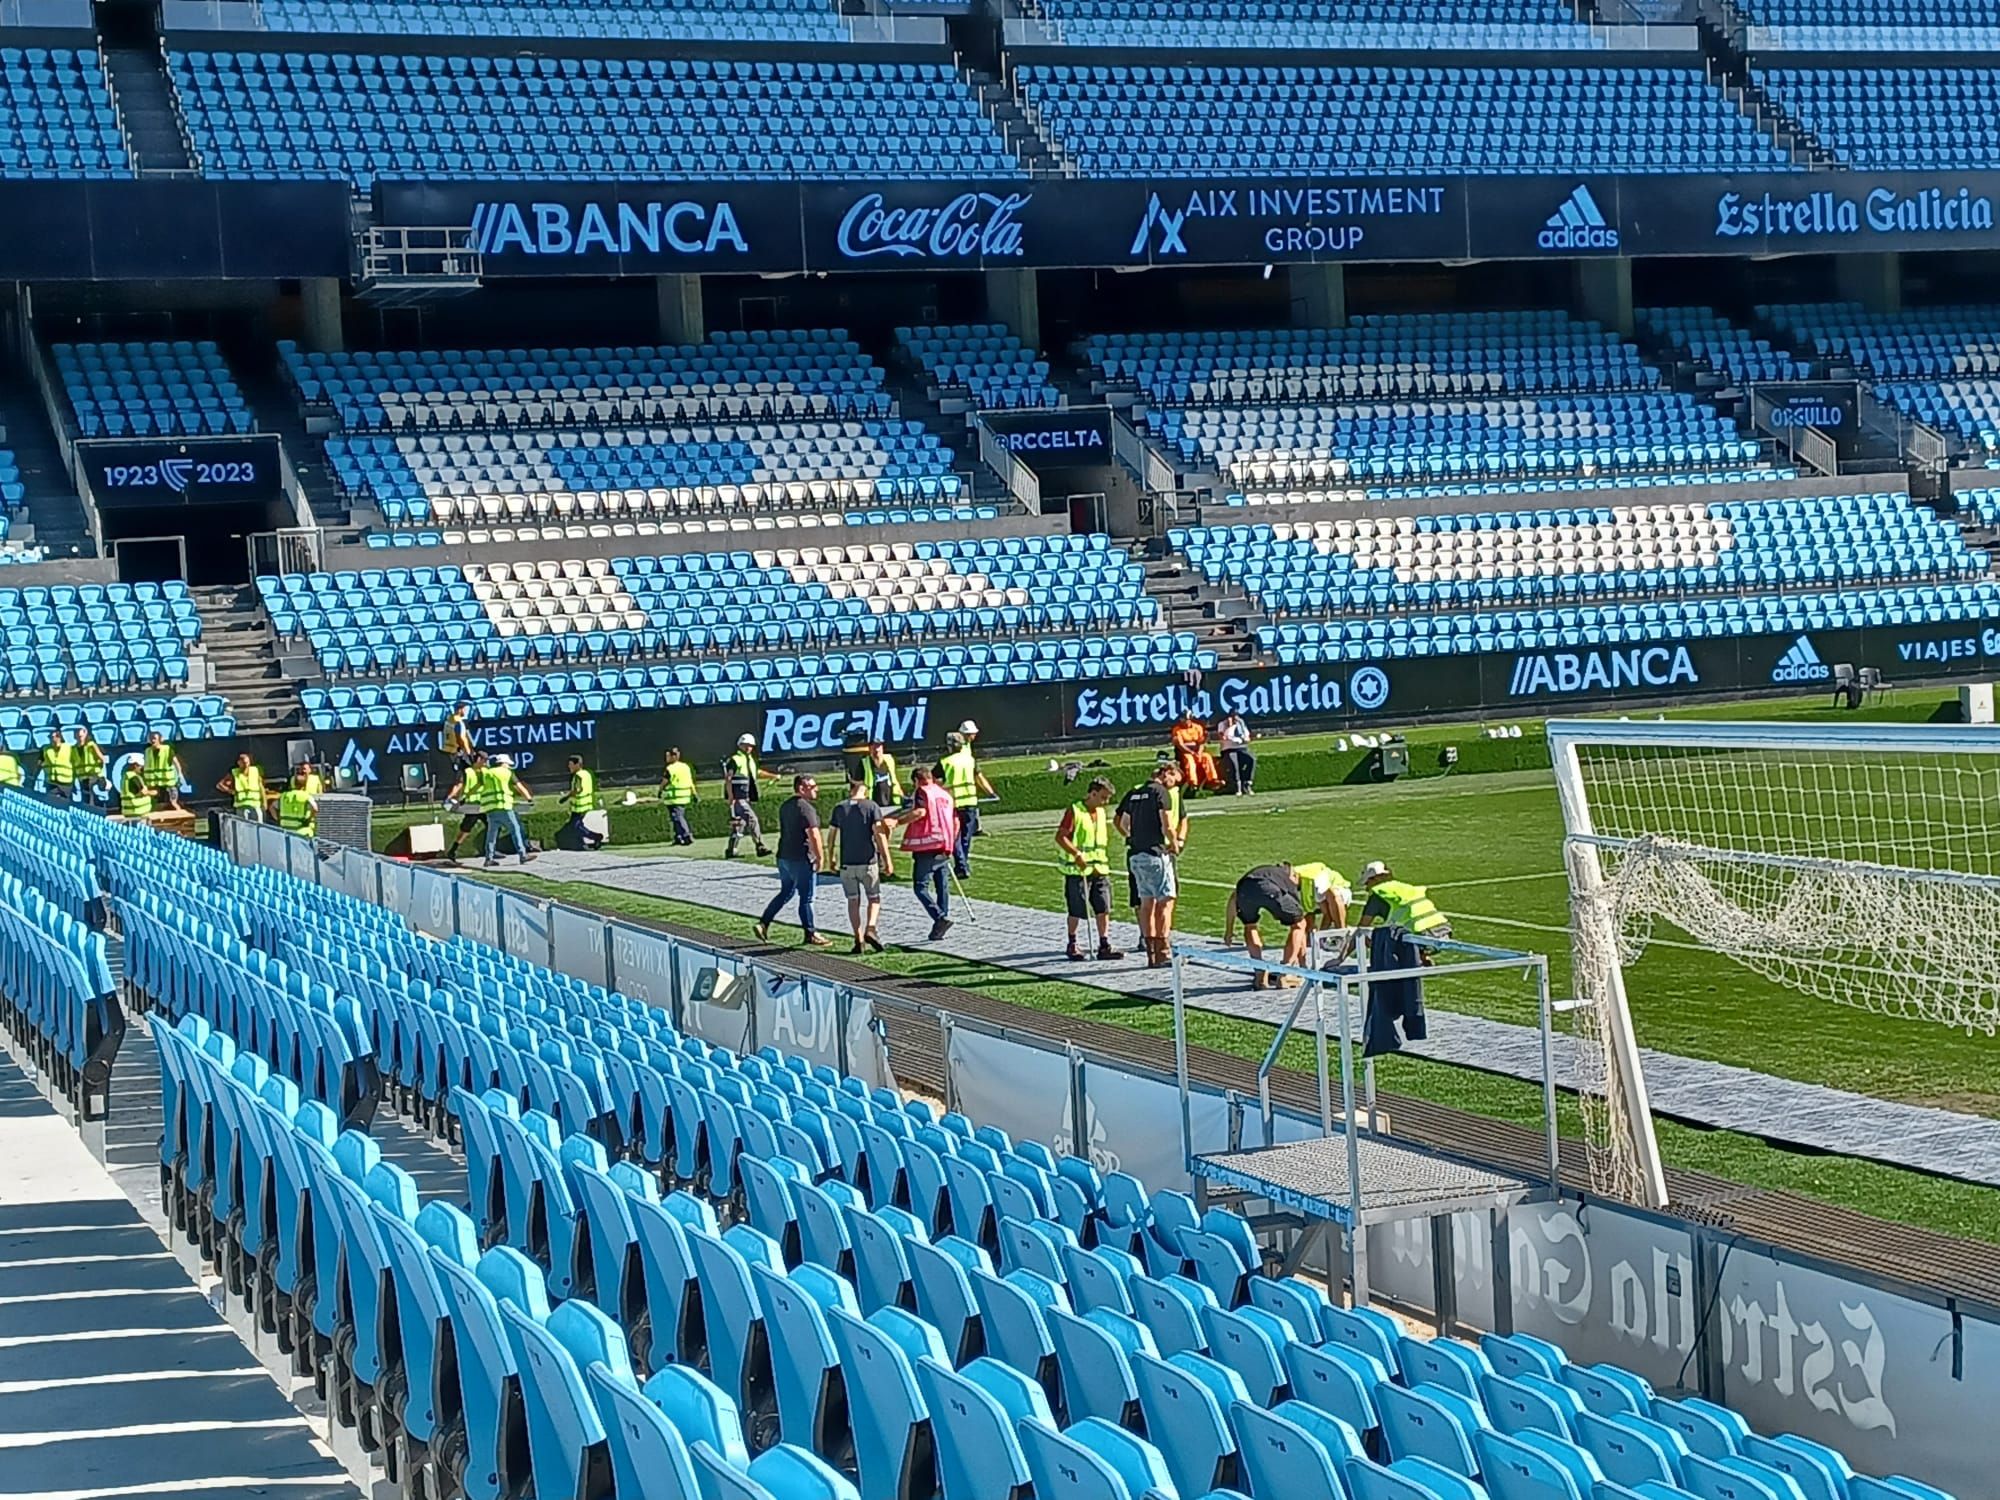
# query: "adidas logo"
[1801,664]
[1578,225]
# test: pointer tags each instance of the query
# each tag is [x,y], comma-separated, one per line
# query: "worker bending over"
[1402,908]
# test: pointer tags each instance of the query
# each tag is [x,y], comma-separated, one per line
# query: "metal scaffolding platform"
[1397,1181]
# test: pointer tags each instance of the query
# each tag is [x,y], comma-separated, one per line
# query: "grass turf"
[1887,1192]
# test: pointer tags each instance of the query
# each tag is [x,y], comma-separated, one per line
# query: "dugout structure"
[1331,1184]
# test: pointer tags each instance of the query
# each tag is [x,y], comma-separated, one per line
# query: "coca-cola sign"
[971,226]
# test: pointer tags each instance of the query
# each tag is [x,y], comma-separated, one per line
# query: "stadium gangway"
[1352,1175]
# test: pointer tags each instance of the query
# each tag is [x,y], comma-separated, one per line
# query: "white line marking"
[250,1483]
[296,1422]
[29,1387]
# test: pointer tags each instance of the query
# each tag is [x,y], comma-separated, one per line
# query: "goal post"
[1855,863]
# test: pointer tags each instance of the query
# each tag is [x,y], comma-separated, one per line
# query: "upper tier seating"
[696,603]
[1472,25]
[116,723]
[920,1298]
[1732,352]
[1377,564]
[1894,119]
[363,116]
[1939,364]
[1874,25]
[810,374]
[649,20]
[177,388]
[56,116]
[800,526]
[95,637]
[746,424]
[1454,399]
[1290,121]
[985,360]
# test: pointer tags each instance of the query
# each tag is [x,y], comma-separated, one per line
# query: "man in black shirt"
[799,858]
[1146,819]
[861,824]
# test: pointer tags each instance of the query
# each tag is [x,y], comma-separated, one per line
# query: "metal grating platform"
[1397,1181]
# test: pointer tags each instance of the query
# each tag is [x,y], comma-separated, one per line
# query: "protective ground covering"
[1698,1090]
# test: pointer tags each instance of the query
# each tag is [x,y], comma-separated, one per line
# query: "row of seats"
[985,360]
[1541,486]
[1735,353]
[817,374]
[1893,119]
[118,724]
[734,678]
[59,1001]
[718,525]
[1940,365]
[1377,356]
[178,388]
[693,1256]
[92,638]
[1304,121]
[360,116]
[627,608]
[1612,625]
[1377,565]
[57,118]
[519,475]
[636,20]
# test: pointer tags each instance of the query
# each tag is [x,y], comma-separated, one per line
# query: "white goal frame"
[1625,1081]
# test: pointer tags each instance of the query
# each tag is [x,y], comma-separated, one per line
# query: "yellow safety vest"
[1091,833]
[961,777]
[742,774]
[886,771]
[160,765]
[59,764]
[454,738]
[248,785]
[582,792]
[134,801]
[10,770]
[496,791]
[1409,907]
[1309,877]
[87,760]
[679,788]
[295,812]
[314,785]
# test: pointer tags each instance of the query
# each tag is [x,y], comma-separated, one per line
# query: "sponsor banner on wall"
[160,230]
[431,903]
[607,228]
[867,1043]
[1045,440]
[1832,407]
[524,927]
[127,474]
[1024,1090]
[398,887]
[730,1024]
[479,912]
[799,1016]
[1123,1116]
[642,965]
[1548,678]
[1260,221]
[578,947]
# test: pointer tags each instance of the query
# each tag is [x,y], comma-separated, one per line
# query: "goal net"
[1856,864]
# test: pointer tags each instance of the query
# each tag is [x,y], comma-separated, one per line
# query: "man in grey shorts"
[862,827]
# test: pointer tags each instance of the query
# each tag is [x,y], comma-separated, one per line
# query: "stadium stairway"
[997,102]
[243,658]
[277,411]
[53,508]
[913,404]
[145,100]
[1221,615]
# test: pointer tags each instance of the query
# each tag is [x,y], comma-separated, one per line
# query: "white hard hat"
[746,739]
[968,727]
[1375,869]
[503,760]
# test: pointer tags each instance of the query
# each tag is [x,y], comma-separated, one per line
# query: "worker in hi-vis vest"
[244,787]
[297,806]
[677,794]
[1084,835]
[87,761]
[582,800]
[164,771]
[965,783]
[58,768]
[1394,913]
[135,798]
[740,775]
[468,794]
[11,773]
